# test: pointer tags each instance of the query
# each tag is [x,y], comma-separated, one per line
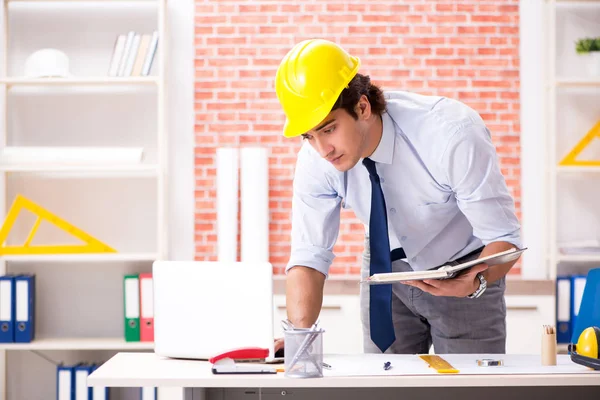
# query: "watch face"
[482,281]
[481,288]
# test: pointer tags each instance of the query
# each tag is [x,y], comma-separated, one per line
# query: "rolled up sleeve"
[315,216]
[474,174]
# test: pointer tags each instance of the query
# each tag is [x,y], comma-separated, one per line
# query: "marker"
[387,365]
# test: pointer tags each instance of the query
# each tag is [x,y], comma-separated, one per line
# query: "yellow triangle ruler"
[92,245]
[439,364]
[570,159]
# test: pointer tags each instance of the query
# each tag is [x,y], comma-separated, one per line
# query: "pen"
[387,365]
[308,340]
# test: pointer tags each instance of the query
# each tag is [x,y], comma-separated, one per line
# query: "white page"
[445,271]
[404,364]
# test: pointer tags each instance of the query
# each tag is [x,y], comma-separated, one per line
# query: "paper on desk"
[405,364]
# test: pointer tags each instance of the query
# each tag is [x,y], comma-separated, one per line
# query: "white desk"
[413,379]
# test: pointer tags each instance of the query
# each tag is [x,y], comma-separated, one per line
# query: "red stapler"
[242,354]
[225,363]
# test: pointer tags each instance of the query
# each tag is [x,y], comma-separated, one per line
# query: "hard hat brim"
[291,130]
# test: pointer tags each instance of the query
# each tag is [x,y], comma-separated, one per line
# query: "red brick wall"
[467,50]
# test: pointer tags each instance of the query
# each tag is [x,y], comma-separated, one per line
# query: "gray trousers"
[451,324]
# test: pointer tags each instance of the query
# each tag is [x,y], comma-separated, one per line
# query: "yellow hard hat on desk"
[309,80]
[586,351]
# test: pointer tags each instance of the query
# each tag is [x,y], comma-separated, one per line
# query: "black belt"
[399,254]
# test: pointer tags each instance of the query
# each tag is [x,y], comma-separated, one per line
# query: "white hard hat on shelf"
[47,63]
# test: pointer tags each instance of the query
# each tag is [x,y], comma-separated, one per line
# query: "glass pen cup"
[303,354]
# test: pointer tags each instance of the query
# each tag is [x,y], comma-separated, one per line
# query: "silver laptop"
[202,309]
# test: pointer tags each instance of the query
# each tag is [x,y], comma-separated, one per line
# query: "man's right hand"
[304,297]
[278,344]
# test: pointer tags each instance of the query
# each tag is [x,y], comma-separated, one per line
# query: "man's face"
[339,138]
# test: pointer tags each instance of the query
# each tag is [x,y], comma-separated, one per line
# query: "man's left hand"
[461,286]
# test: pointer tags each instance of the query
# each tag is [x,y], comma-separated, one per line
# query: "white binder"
[64,383]
[6,309]
[147,393]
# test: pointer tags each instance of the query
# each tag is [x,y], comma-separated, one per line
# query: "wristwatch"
[480,289]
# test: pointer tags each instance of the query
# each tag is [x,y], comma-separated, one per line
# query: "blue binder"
[81,390]
[7,309]
[24,308]
[589,310]
[65,382]
[148,393]
[563,309]
[99,393]
[577,288]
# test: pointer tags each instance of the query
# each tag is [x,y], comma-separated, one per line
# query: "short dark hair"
[358,86]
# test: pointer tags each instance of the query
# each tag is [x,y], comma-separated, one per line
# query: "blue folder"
[65,382]
[589,310]
[7,309]
[563,308]
[24,308]
[99,393]
[577,288]
[80,386]
[148,393]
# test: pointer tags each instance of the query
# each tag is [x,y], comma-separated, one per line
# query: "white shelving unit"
[81,258]
[123,205]
[572,109]
[560,81]
[78,344]
[145,80]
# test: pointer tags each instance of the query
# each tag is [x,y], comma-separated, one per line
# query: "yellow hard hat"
[309,80]
[589,342]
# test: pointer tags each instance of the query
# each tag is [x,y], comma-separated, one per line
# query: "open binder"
[446,271]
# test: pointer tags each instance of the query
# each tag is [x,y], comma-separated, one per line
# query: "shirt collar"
[384,153]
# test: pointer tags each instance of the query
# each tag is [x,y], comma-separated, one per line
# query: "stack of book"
[133,54]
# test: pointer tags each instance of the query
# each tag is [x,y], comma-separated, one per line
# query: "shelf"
[577,3]
[118,171]
[102,257]
[91,81]
[578,169]
[83,1]
[579,257]
[79,344]
[591,81]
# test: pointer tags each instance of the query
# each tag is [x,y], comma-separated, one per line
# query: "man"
[422,174]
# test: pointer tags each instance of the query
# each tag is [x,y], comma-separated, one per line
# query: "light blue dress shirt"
[444,192]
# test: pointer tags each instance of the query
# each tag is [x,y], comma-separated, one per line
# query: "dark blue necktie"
[380,296]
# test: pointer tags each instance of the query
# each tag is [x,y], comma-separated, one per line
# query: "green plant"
[587,45]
